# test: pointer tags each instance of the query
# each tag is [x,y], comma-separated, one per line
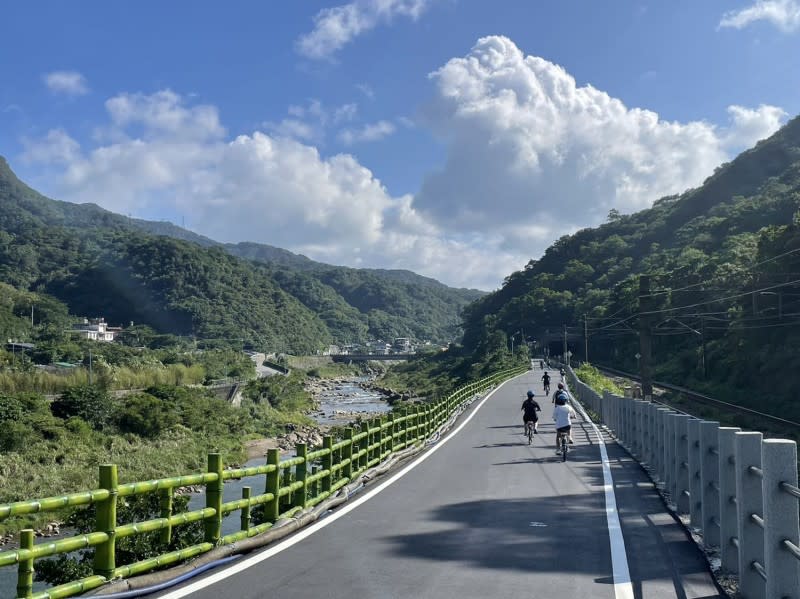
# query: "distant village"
[97,329]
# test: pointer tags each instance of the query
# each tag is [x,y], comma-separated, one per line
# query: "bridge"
[368,357]
[480,513]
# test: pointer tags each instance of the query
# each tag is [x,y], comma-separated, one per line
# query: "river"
[337,405]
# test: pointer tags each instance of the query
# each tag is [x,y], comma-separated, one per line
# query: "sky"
[454,138]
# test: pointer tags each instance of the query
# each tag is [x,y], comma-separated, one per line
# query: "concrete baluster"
[682,460]
[672,460]
[779,464]
[749,501]
[727,498]
[695,486]
[709,479]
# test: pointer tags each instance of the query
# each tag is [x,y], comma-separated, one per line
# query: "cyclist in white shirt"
[563,415]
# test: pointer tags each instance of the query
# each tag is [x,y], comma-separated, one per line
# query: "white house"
[96,329]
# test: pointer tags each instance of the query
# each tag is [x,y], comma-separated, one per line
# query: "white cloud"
[335,27]
[529,146]
[366,89]
[367,133]
[70,83]
[309,122]
[57,147]
[749,126]
[784,14]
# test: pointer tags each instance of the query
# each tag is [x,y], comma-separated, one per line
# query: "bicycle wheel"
[564,448]
[530,433]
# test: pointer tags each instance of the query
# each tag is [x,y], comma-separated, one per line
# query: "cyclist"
[563,415]
[541,364]
[530,406]
[546,382]
[562,373]
[561,391]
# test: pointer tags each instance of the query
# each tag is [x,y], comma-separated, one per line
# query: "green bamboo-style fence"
[290,485]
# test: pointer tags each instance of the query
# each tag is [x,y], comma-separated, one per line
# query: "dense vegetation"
[723,260]
[102,264]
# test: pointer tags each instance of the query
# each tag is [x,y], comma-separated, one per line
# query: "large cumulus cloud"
[527,144]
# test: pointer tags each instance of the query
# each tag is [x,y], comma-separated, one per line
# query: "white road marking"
[320,524]
[619,556]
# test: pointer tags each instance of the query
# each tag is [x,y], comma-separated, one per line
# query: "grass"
[596,380]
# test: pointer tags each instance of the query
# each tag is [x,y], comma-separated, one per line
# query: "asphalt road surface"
[486,515]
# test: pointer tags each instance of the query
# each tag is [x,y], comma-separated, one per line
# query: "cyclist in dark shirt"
[546,383]
[529,408]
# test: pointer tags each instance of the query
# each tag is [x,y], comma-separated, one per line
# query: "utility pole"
[585,339]
[565,345]
[90,366]
[703,340]
[31,315]
[645,340]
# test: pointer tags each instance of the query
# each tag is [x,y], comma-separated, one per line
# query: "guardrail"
[290,486]
[739,490]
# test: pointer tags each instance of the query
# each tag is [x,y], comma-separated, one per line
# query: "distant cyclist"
[546,382]
[562,373]
[529,408]
[541,364]
[563,415]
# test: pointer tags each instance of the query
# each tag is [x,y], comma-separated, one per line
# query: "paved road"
[486,515]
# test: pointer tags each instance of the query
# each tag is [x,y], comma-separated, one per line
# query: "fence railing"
[290,486]
[739,490]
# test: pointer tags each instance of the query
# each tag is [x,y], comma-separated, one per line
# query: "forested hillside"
[103,264]
[724,261]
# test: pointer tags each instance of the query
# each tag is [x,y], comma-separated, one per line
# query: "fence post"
[682,463]
[25,566]
[661,419]
[363,448]
[672,456]
[695,484]
[213,523]
[327,463]
[709,476]
[390,431]
[638,406]
[779,464]
[300,474]
[650,419]
[106,521]
[273,484]
[348,452]
[245,515]
[749,501]
[165,505]
[727,498]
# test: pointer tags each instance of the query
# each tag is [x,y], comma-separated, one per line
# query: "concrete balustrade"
[695,485]
[779,465]
[709,482]
[739,490]
[727,499]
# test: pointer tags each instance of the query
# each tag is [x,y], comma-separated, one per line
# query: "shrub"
[90,402]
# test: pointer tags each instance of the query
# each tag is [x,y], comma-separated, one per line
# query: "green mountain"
[724,261]
[101,263]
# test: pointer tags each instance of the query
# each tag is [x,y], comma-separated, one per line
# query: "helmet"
[530,393]
[561,385]
[561,399]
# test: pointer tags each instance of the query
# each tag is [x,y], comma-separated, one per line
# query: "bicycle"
[562,441]
[547,388]
[529,431]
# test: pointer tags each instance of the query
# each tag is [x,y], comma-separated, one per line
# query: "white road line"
[619,556]
[320,524]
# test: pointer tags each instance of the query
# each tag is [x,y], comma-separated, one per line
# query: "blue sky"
[456,138]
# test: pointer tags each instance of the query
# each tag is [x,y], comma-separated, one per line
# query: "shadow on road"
[562,534]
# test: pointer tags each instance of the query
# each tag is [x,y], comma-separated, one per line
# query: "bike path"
[487,515]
